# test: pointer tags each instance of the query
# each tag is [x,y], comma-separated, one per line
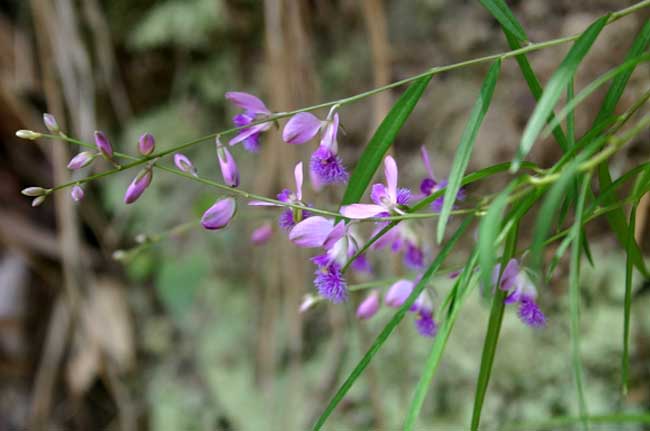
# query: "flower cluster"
[396,297]
[334,235]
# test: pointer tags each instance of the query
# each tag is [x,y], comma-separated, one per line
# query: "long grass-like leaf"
[616,219]
[554,88]
[394,321]
[502,13]
[457,296]
[574,298]
[625,362]
[382,140]
[569,108]
[464,151]
[494,327]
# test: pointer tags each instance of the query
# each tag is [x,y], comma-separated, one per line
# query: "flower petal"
[262,204]
[335,234]
[427,163]
[219,215]
[247,102]
[398,293]
[247,133]
[311,232]
[329,136]
[390,172]
[361,211]
[297,173]
[301,128]
[368,306]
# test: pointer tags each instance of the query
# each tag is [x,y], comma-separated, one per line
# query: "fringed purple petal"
[328,167]
[330,283]
[531,315]
[403,196]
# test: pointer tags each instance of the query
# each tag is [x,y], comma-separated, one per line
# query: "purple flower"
[254,110]
[77,193]
[311,232]
[51,123]
[219,215]
[290,216]
[398,293]
[425,324]
[522,291]
[184,164]
[430,184]
[386,198]
[146,144]
[413,256]
[103,145]
[262,234]
[138,186]
[327,167]
[301,128]
[530,314]
[228,166]
[81,160]
[369,306]
[330,283]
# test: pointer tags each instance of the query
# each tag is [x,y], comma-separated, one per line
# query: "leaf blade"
[555,86]
[502,13]
[382,140]
[464,151]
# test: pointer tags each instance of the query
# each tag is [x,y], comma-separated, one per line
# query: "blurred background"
[201,331]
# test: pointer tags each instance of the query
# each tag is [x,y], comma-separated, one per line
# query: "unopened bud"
[103,145]
[81,160]
[146,144]
[39,200]
[308,302]
[368,306]
[34,191]
[77,193]
[138,186]
[28,134]
[50,123]
[229,169]
[184,164]
[219,215]
[119,255]
[262,234]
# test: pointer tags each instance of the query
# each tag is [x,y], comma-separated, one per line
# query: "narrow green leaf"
[489,229]
[574,298]
[554,88]
[615,90]
[547,214]
[456,298]
[464,151]
[382,140]
[494,325]
[594,85]
[394,321]
[502,13]
[616,219]
[628,301]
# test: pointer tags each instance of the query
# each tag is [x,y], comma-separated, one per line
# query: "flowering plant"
[511,275]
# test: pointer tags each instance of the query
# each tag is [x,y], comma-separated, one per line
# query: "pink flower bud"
[229,169]
[398,293]
[81,160]
[77,193]
[184,164]
[219,215]
[50,123]
[28,134]
[262,234]
[39,200]
[33,191]
[103,145]
[146,144]
[138,186]
[368,306]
